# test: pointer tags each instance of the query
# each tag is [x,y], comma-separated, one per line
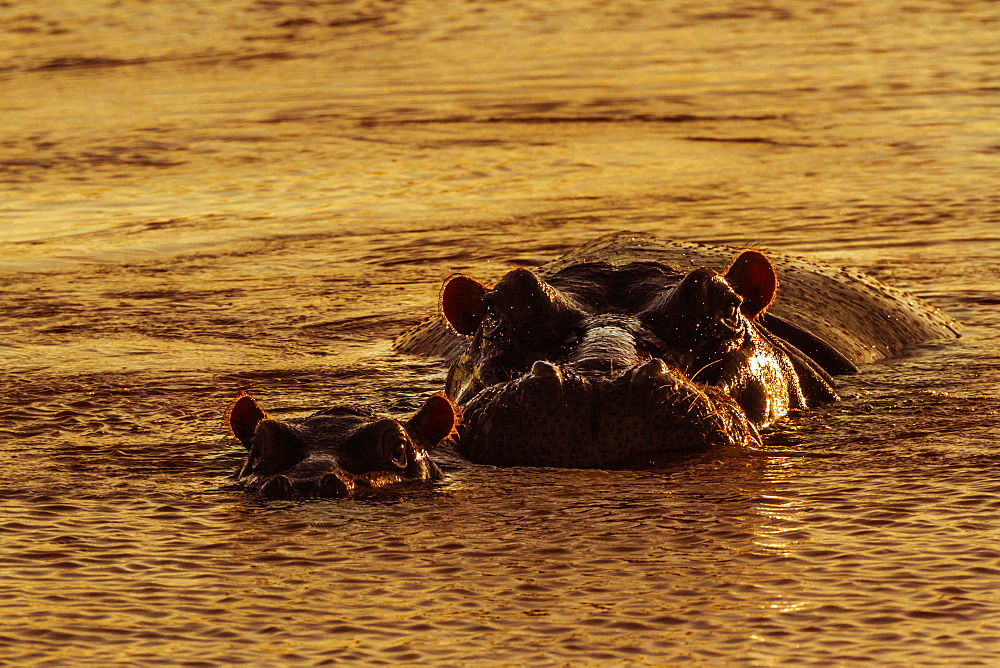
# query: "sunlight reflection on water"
[256,195]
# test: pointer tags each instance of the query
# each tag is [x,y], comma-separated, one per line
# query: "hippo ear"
[753,277]
[462,303]
[244,414]
[435,420]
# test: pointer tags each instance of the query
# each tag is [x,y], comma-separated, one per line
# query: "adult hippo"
[338,452]
[631,351]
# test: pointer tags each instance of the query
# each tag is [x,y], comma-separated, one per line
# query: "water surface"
[259,195]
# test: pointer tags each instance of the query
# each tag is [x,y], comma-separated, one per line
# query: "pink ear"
[753,277]
[244,414]
[462,303]
[435,420]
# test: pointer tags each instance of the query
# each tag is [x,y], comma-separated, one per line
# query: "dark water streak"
[260,195]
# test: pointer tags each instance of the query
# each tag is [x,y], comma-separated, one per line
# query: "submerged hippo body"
[631,351]
[338,452]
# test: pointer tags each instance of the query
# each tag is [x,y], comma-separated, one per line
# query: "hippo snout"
[605,402]
[557,415]
[325,485]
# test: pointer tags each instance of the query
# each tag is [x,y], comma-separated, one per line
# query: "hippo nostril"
[392,444]
[543,369]
[655,369]
[332,485]
[548,376]
[278,487]
[652,379]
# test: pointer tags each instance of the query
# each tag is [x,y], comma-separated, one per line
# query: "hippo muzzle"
[610,405]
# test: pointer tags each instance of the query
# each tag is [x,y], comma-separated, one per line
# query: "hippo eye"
[392,447]
[493,326]
[731,314]
[491,309]
[397,455]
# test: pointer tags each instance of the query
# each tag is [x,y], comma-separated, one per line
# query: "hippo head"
[338,452]
[605,366]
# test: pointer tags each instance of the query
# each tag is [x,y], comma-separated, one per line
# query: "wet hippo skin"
[631,351]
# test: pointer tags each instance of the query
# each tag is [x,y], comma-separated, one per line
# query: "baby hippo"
[338,452]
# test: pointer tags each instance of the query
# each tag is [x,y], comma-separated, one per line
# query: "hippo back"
[818,305]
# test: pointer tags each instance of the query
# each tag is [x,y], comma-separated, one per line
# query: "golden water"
[198,198]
